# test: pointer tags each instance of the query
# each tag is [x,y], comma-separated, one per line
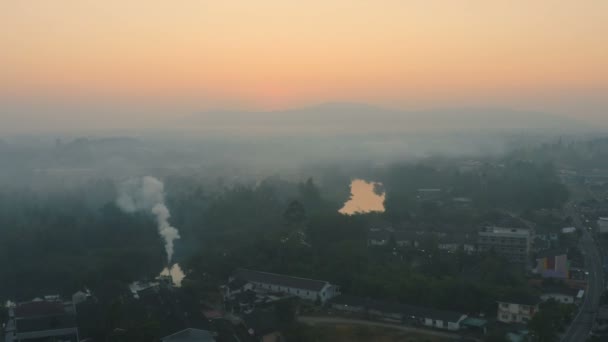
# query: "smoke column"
[148,194]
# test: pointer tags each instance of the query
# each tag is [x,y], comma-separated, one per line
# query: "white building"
[602,225]
[304,288]
[517,311]
[399,313]
[562,295]
[568,230]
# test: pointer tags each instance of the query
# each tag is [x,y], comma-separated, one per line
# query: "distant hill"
[354,117]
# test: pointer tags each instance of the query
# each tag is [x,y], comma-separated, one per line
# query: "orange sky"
[281,53]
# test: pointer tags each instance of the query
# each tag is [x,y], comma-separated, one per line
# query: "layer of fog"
[239,147]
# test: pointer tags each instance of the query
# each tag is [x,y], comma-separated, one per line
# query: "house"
[453,242]
[308,289]
[237,286]
[448,246]
[80,297]
[475,324]
[401,238]
[518,309]
[176,310]
[190,335]
[553,264]
[379,237]
[399,313]
[561,294]
[602,225]
[568,230]
[47,319]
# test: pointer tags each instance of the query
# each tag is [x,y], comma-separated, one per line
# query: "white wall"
[562,298]
[453,326]
[509,313]
[326,293]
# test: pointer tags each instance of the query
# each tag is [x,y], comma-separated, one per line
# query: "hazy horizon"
[91,66]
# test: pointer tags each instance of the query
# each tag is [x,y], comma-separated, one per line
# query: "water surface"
[365,197]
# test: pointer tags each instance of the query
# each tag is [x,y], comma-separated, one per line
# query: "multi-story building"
[511,243]
[553,264]
[519,310]
[42,320]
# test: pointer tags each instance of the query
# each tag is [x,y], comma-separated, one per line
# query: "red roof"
[41,308]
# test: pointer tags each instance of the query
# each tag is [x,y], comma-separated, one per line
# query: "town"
[467,249]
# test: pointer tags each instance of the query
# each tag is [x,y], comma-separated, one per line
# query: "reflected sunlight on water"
[363,198]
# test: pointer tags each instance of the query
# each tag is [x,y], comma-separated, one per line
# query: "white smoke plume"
[148,194]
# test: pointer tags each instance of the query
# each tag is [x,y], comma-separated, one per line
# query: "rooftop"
[564,290]
[393,307]
[568,230]
[279,279]
[39,309]
[474,322]
[505,231]
[46,323]
[237,283]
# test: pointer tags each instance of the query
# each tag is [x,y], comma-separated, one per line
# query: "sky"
[118,62]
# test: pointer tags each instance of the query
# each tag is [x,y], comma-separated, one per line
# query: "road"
[583,322]
[337,320]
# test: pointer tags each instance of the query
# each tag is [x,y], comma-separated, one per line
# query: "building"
[553,264]
[517,310]
[462,202]
[190,335]
[562,294]
[455,242]
[401,238]
[510,243]
[568,230]
[602,225]
[428,194]
[308,289]
[399,313]
[42,320]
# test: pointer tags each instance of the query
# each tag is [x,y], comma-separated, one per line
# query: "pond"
[365,197]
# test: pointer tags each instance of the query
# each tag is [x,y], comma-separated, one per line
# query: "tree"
[543,328]
[496,337]
[310,194]
[286,312]
[3,314]
[295,214]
